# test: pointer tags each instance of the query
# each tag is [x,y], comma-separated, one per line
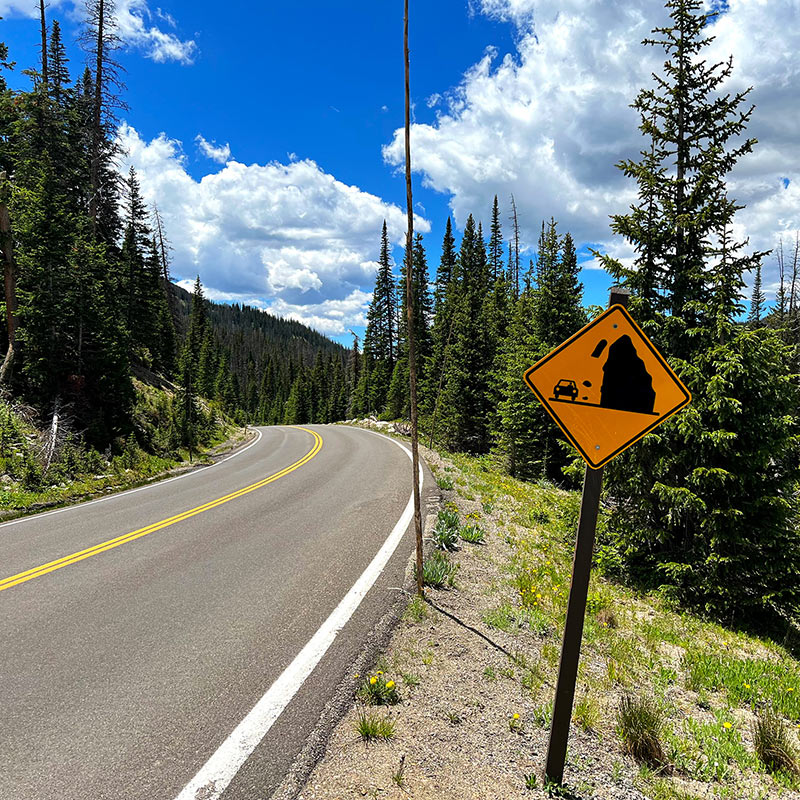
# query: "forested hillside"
[88,297]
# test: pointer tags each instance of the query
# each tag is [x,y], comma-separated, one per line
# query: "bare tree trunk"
[515,262]
[52,439]
[412,356]
[162,245]
[97,115]
[795,266]
[43,24]
[10,282]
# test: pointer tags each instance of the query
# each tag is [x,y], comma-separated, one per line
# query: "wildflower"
[516,716]
[379,672]
[727,726]
[790,689]
[538,597]
[373,680]
[356,675]
[747,686]
[389,684]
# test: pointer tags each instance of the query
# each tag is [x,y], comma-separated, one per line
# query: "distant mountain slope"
[248,332]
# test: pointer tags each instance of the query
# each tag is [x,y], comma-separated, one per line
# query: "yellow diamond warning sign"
[607,386]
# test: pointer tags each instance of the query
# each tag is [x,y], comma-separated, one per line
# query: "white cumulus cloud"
[133,19]
[220,153]
[548,122]
[290,235]
[134,28]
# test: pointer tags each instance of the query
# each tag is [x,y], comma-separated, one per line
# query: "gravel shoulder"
[475,668]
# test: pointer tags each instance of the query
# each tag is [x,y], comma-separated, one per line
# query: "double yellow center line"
[37,572]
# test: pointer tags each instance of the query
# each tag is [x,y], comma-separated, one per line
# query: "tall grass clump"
[640,726]
[772,744]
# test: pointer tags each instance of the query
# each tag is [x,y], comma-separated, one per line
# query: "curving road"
[179,641]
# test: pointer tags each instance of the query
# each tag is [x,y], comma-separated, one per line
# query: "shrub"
[640,725]
[772,745]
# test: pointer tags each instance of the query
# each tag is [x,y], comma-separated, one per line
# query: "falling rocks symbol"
[627,385]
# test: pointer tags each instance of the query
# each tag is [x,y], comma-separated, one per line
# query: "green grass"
[473,534]
[416,610]
[587,713]
[747,681]
[774,748]
[709,751]
[372,727]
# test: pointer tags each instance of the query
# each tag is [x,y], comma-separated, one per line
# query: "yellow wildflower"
[790,689]
[379,672]
[373,680]
[516,716]
[727,725]
[356,675]
[747,686]
[389,684]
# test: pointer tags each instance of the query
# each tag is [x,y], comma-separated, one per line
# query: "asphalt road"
[124,667]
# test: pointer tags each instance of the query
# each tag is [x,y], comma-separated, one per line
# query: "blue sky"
[298,106]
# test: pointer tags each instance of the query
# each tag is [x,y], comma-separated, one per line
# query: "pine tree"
[380,345]
[398,401]
[464,406]
[706,505]
[442,325]
[495,243]
[757,301]
[59,71]
[547,312]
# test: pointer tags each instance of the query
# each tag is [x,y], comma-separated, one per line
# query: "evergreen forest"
[706,507]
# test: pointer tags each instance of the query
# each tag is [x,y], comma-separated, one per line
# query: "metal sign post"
[606,387]
[576,608]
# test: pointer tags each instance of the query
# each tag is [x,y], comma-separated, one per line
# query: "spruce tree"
[757,301]
[380,345]
[705,505]
[464,406]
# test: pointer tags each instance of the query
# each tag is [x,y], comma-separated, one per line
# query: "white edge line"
[114,495]
[217,773]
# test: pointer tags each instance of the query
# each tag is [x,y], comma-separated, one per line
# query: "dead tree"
[9,280]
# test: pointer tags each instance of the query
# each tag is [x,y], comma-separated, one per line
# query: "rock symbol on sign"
[607,386]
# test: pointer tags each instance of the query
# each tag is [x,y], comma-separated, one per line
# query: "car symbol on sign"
[566,387]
